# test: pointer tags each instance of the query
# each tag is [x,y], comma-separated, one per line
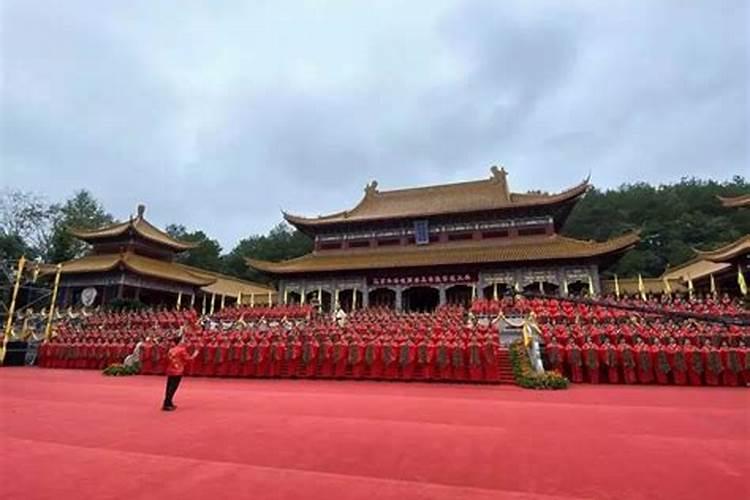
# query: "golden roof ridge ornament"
[371,188]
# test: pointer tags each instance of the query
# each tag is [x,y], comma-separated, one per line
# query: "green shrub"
[119,370]
[525,374]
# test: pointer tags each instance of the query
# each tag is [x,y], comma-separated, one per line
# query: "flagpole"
[52,305]
[11,310]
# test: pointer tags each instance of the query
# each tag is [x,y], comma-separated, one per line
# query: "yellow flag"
[179,300]
[641,287]
[617,287]
[517,286]
[667,286]
[565,287]
[591,286]
[741,280]
[713,285]
[494,291]
[239,298]
[691,288]
[541,287]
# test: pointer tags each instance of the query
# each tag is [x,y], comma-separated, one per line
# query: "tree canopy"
[673,219]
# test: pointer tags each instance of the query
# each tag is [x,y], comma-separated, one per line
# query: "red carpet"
[76,434]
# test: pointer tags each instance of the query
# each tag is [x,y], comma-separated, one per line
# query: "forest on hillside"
[674,219]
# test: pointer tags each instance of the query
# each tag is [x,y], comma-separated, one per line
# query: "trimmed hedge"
[119,370]
[525,374]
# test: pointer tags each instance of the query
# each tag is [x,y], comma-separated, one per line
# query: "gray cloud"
[218,114]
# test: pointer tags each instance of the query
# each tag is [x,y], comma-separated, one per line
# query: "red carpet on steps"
[79,435]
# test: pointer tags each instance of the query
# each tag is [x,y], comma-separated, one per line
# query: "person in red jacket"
[293,355]
[235,355]
[608,358]
[678,362]
[661,362]
[574,360]
[248,359]
[278,351]
[222,357]
[262,357]
[390,363]
[210,357]
[177,358]
[591,360]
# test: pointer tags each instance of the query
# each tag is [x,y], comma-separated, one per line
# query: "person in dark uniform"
[177,358]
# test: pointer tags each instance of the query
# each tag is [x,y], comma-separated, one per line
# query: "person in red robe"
[458,360]
[235,353]
[355,357]
[644,362]
[407,354]
[475,361]
[425,354]
[147,354]
[443,354]
[574,360]
[223,352]
[373,359]
[744,353]
[248,360]
[390,363]
[662,367]
[339,357]
[491,367]
[608,356]
[293,355]
[262,357]
[678,362]
[712,362]
[208,355]
[278,351]
[591,360]
[309,357]
[730,358]
[694,359]
[553,355]
[325,353]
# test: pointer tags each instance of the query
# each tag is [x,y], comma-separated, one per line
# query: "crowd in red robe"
[371,344]
[602,344]
[595,343]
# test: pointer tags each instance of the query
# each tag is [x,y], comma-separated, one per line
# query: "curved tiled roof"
[462,197]
[742,200]
[727,252]
[140,226]
[533,248]
[138,264]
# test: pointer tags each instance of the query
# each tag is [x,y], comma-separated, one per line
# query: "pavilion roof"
[462,197]
[727,252]
[742,200]
[531,248]
[138,225]
[694,269]
[209,281]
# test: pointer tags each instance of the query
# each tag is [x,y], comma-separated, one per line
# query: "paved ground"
[77,434]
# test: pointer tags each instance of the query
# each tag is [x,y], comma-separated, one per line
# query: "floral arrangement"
[525,374]
[120,370]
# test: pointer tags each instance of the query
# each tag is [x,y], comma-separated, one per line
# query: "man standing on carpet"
[177,358]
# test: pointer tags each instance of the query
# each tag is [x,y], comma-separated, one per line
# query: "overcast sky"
[217,114]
